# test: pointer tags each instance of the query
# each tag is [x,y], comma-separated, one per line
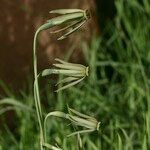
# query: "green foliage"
[116,92]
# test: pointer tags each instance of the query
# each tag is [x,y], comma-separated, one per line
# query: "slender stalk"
[36,84]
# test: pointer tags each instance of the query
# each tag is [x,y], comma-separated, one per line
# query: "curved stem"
[36,83]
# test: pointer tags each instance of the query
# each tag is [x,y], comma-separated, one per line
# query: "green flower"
[83,120]
[75,73]
[73,18]
[78,119]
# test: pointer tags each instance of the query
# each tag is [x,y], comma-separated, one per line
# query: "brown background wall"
[18,23]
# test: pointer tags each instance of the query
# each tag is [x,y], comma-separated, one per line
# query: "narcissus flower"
[75,73]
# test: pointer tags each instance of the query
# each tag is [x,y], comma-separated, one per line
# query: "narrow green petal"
[67,27]
[68,79]
[84,122]
[71,67]
[67,11]
[80,132]
[80,114]
[71,31]
[70,64]
[68,72]
[69,85]
[75,73]
[65,18]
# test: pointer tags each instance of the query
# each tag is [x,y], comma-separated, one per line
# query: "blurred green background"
[117,91]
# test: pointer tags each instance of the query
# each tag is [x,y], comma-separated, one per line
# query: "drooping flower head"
[75,73]
[73,18]
[90,124]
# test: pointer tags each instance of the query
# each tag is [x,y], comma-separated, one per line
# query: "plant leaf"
[8,108]
[16,103]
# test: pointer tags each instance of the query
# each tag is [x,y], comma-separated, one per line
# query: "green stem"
[36,83]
